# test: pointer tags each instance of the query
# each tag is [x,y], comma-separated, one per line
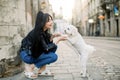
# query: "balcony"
[106,4]
[103,2]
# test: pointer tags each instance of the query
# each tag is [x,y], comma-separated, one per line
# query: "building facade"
[80,15]
[17,18]
[105,20]
[98,17]
[94,8]
[111,23]
[76,17]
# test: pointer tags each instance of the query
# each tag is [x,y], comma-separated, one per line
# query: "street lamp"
[101,12]
[91,21]
[108,7]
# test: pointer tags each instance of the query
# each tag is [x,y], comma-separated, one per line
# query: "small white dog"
[77,41]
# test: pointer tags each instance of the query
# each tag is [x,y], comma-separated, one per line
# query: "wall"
[17,18]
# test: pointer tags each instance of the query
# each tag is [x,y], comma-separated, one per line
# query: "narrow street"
[103,64]
[98,21]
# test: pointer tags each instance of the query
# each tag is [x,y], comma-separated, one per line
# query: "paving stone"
[99,67]
[76,75]
[65,79]
[80,78]
[63,76]
[61,71]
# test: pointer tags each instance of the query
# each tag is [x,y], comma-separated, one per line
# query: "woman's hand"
[56,34]
[61,38]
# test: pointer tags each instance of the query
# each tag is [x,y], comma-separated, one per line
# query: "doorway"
[117,27]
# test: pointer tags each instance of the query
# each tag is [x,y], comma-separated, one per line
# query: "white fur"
[77,41]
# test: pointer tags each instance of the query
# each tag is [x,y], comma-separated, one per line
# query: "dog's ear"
[74,30]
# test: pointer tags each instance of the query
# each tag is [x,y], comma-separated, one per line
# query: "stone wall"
[17,18]
[12,29]
[12,21]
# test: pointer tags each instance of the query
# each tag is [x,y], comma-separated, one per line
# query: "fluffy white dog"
[77,41]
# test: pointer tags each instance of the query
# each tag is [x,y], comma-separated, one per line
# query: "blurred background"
[93,18]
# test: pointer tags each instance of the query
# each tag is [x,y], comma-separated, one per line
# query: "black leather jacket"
[35,46]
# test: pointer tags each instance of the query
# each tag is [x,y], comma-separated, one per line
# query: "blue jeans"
[43,59]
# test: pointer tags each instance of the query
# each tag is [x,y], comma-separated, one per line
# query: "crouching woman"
[37,48]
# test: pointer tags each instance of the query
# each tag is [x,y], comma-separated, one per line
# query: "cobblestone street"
[66,68]
[104,64]
[30,26]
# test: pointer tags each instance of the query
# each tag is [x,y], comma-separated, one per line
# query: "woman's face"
[48,24]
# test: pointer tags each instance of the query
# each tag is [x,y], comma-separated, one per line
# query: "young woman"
[37,48]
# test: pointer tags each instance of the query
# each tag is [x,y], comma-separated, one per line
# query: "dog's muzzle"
[65,31]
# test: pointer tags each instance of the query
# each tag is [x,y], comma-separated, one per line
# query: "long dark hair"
[41,20]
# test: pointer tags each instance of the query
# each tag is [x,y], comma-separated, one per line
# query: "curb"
[103,38]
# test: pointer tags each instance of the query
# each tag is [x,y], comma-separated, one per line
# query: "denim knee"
[54,57]
[26,58]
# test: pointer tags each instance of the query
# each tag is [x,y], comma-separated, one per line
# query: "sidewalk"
[67,67]
[104,64]
[104,38]
[99,67]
